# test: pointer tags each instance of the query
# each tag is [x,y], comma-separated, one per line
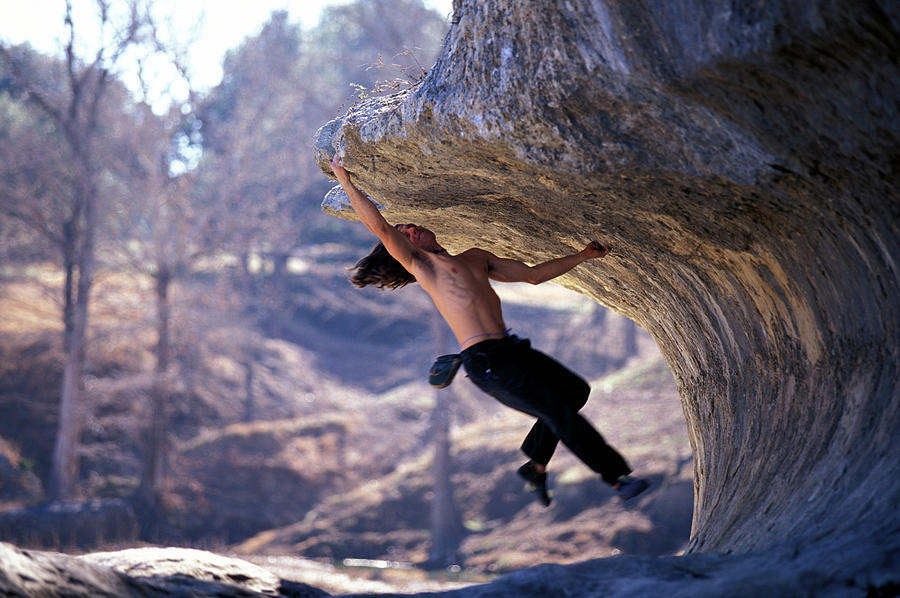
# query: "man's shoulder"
[474,256]
[476,252]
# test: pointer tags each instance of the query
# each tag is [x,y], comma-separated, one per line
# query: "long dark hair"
[379,268]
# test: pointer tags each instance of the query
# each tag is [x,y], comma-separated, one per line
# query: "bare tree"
[153,234]
[33,215]
[256,162]
[630,343]
[75,109]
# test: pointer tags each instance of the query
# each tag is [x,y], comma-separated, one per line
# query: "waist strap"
[491,344]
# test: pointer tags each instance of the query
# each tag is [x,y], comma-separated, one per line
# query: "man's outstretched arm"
[396,244]
[364,208]
[507,270]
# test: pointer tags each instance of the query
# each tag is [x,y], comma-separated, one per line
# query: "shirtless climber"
[502,365]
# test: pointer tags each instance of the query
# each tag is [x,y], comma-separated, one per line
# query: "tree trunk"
[446,527]
[248,286]
[279,270]
[446,524]
[155,437]
[64,475]
[160,395]
[69,242]
[65,464]
[249,396]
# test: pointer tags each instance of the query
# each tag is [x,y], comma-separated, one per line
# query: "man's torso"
[460,287]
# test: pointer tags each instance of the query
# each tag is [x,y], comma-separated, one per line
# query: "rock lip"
[741,160]
[140,573]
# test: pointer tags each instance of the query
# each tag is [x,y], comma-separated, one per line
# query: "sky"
[223,24]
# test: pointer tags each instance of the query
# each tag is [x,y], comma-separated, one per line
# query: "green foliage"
[361,91]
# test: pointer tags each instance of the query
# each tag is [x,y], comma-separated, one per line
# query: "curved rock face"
[741,158]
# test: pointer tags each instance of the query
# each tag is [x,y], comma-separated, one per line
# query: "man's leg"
[540,443]
[573,391]
[587,444]
[539,390]
[555,395]
[536,476]
[533,383]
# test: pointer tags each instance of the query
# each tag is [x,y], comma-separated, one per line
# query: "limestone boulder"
[140,573]
[741,159]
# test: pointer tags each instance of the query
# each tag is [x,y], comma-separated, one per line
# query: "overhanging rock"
[741,158]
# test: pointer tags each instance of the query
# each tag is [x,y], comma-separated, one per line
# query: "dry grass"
[31,302]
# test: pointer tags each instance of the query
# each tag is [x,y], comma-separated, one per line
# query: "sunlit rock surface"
[741,158]
[140,573]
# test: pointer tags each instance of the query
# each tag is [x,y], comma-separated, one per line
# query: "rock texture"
[140,572]
[741,158]
[187,573]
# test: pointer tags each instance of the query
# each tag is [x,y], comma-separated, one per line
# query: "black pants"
[512,372]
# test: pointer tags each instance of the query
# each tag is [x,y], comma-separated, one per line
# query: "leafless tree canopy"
[188,212]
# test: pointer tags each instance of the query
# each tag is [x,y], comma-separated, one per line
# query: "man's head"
[419,236]
[379,268]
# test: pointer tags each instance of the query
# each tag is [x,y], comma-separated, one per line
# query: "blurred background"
[182,359]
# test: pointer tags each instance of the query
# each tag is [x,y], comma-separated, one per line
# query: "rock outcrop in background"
[741,158]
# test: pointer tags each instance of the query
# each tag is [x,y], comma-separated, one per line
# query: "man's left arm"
[507,270]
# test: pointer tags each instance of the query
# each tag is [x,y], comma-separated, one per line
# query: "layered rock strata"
[741,159]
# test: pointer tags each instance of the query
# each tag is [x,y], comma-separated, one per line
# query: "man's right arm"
[397,245]
[365,209]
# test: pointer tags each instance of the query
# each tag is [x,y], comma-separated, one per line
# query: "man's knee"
[580,392]
[571,387]
[565,423]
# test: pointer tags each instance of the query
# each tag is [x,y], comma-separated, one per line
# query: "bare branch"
[71,66]
[177,55]
[25,82]
[35,221]
[129,35]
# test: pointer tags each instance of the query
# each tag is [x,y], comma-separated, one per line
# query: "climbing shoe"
[537,482]
[629,487]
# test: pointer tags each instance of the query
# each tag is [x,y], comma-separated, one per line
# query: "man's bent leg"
[533,383]
[588,445]
[555,394]
[540,444]
[556,420]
